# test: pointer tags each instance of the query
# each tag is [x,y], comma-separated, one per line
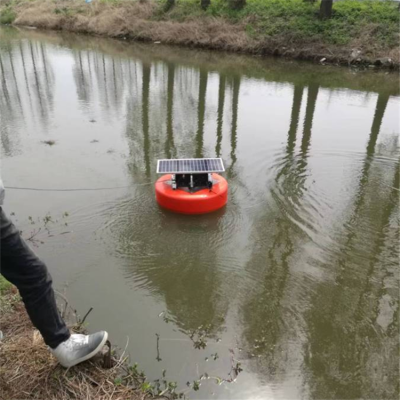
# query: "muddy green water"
[297,278]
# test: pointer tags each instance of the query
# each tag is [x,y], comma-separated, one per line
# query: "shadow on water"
[145,116]
[201,113]
[235,84]
[169,143]
[274,331]
[37,79]
[178,265]
[348,310]
[220,113]
[297,271]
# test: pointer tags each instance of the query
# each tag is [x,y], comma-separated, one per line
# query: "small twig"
[84,318]
[34,233]
[121,359]
[107,361]
[66,303]
[158,358]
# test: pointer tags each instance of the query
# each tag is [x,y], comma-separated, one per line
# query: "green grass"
[7,16]
[4,285]
[371,26]
[298,20]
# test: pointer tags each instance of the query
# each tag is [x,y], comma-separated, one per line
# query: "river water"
[297,279]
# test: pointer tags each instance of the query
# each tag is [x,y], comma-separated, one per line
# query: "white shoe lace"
[76,341]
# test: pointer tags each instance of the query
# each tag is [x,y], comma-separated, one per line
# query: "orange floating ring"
[200,202]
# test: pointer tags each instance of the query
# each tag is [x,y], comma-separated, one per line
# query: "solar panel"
[190,166]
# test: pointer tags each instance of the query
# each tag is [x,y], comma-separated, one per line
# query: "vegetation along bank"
[344,32]
[28,370]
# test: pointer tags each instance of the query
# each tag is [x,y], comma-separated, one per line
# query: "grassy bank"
[28,370]
[360,32]
[5,286]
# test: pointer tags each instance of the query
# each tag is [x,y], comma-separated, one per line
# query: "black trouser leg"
[29,274]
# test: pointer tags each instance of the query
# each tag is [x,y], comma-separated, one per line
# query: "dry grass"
[133,20]
[28,370]
[139,21]
[145,21]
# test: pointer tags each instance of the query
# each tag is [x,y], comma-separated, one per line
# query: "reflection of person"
[29,274]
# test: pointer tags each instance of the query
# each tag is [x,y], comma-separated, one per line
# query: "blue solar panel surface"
[190,165]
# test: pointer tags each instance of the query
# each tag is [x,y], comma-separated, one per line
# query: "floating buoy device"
[191,185]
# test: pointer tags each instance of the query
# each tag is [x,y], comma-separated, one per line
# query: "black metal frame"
[192,182]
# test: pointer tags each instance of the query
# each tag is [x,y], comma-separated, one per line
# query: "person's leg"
[29,274]
[22,267]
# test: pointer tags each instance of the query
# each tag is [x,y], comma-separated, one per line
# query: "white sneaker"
[79,348]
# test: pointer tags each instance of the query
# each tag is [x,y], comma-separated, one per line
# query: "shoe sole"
[91,354]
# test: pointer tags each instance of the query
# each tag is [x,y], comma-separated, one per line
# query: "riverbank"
[27,369]
[361,33]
